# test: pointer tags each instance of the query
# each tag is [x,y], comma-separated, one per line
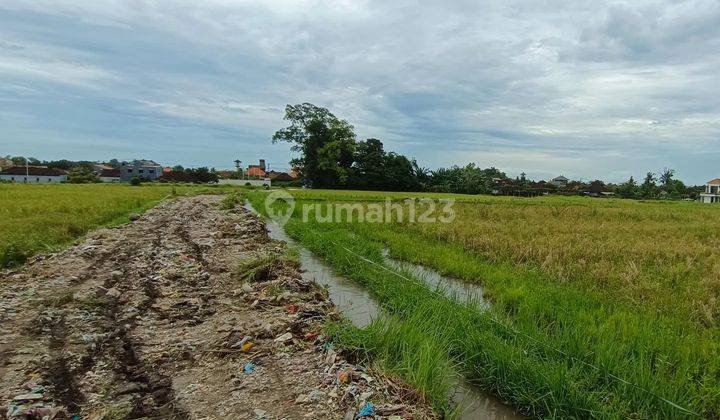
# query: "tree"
[202,175]
[666,177]
[648,189]
[628,189]
[399,174]
[369,166]
[326,144]
[672,187]
[82,174]
[18,160]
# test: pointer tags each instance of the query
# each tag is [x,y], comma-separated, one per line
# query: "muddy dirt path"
[188,312]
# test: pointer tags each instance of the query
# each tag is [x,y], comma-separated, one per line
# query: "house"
[146,169]
[259,170]
[598,188]
[5,163]
[712,192]
[109,175]
[281,176]
[255,171]
[33,175]
[559,181]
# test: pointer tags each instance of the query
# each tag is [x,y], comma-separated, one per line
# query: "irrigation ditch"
[467,401]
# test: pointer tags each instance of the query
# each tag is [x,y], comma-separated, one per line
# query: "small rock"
[284,338]
[247,288]
[133,217]
[316,395]
[116,274]
[261,414]
[113,293]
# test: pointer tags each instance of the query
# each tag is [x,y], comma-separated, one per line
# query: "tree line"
[331,156]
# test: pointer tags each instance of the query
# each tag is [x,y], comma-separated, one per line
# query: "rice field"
[37,218]
[600,308]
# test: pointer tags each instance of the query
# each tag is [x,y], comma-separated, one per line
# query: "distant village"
[33,171]
[21,170]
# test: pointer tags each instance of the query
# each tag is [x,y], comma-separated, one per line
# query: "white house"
[33,175]
[712,192]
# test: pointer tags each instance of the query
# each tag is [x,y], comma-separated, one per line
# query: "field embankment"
[600,308]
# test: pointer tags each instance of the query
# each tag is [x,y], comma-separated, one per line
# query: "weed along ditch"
[464,400]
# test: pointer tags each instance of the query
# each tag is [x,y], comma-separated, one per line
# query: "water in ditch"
[453,288]
[353,300]
[360,308]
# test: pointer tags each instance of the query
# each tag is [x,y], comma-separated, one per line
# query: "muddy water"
[451,287]
[360,308]
[476,404]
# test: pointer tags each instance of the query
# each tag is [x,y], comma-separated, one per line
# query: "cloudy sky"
[582,88]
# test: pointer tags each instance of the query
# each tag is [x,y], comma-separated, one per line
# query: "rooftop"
[33,170]
[141,162]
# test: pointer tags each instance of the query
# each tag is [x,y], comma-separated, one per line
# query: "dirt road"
[188,312]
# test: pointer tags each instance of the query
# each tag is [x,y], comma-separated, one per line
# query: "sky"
[587,89]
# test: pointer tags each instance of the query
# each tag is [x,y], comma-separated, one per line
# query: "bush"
[135,181]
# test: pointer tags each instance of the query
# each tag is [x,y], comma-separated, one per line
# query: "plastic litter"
[249,367]
[367,410]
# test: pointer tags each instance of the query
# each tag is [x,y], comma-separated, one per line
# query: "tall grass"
[36,218]
[553,345]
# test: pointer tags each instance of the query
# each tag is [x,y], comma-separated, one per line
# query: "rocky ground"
[190,311]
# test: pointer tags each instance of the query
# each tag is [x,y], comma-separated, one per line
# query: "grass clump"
[264,266]
[230,201]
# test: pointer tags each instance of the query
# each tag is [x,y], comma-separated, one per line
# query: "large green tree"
[326,144]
